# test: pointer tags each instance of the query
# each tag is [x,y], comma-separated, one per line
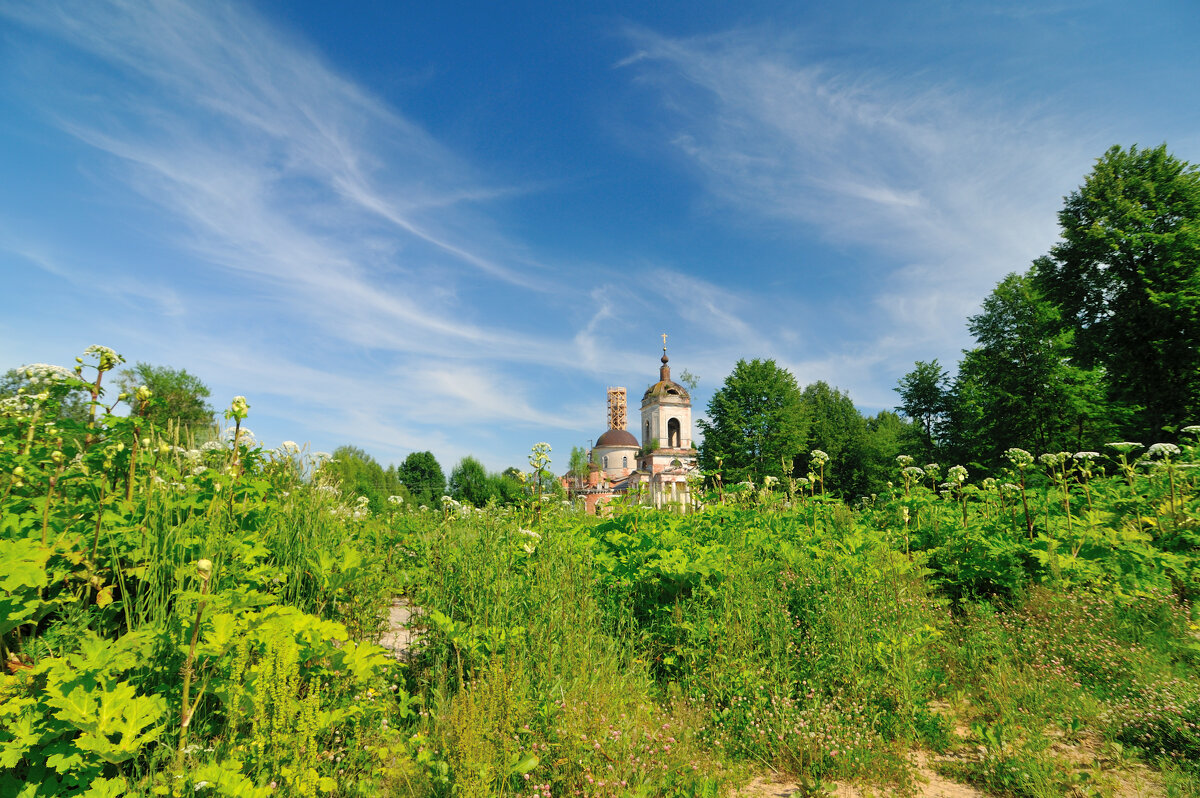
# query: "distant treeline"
[1099,341]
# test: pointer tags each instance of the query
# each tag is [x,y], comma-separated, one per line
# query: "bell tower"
[666,429]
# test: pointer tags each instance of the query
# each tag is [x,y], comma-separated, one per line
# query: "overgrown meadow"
[203,620]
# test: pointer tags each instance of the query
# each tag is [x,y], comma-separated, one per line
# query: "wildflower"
[1162,449]
[904,460]
[1125,447]
[244,435]
[529,533]
[539,456]
[819,457]
[1019,458]
[395,500]
[45,374]
[204,568]
[108,359]
[1192,429]
[1086,455]
[957,474]
[914,472]
[289,447]
[362,501]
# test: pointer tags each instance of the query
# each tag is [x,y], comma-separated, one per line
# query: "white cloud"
[946,191]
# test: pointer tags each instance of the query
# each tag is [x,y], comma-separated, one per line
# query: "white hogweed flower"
[1019,458]
[107,358]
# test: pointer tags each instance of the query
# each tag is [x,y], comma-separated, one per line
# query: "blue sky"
[450,226]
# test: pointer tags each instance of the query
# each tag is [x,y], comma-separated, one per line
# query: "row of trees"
[1098,341]
[179,399]
[420,480]
[761,424]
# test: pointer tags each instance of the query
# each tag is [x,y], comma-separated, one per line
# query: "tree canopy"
[756,424]
[175,395]
[1099,340]
[1126,279]
[923,399]
[469,482]
[359,474]
[424,478]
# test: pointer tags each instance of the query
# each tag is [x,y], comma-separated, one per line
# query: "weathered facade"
[655,470]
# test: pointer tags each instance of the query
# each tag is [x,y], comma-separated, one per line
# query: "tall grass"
[200,621]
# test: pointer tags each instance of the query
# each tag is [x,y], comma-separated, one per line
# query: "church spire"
[664,371]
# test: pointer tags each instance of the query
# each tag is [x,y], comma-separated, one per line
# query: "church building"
[655,469]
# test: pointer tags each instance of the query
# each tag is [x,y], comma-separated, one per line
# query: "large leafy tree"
[924,398]
[887,435]
[469,482]
[1027,390]
[756,423]
[424,478]
[837,428]
[359,474]
[1126,277]
[176,395]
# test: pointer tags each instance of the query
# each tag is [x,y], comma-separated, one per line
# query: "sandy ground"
[928,784]
[400,636]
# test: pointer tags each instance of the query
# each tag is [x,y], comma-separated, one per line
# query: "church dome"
[618,437]
[666,388]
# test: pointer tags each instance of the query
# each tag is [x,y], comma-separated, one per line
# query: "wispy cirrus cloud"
[947,188]
[290,192]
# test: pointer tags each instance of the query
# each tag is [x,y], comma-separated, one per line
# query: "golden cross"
[664,342]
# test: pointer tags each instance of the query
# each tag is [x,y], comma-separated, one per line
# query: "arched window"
[674,437]
[606,461]
[624,462]
[646,437]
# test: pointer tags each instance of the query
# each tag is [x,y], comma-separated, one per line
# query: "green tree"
[1021,377]
[578,465]
[507,486]
[887,435]
[176,395]
[359,474]
[838,429]
[755,424]
[923,398]
[1126,278]
[423,477]
[469,482]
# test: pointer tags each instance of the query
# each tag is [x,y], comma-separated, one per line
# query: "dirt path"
[401,636]
[928,784]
